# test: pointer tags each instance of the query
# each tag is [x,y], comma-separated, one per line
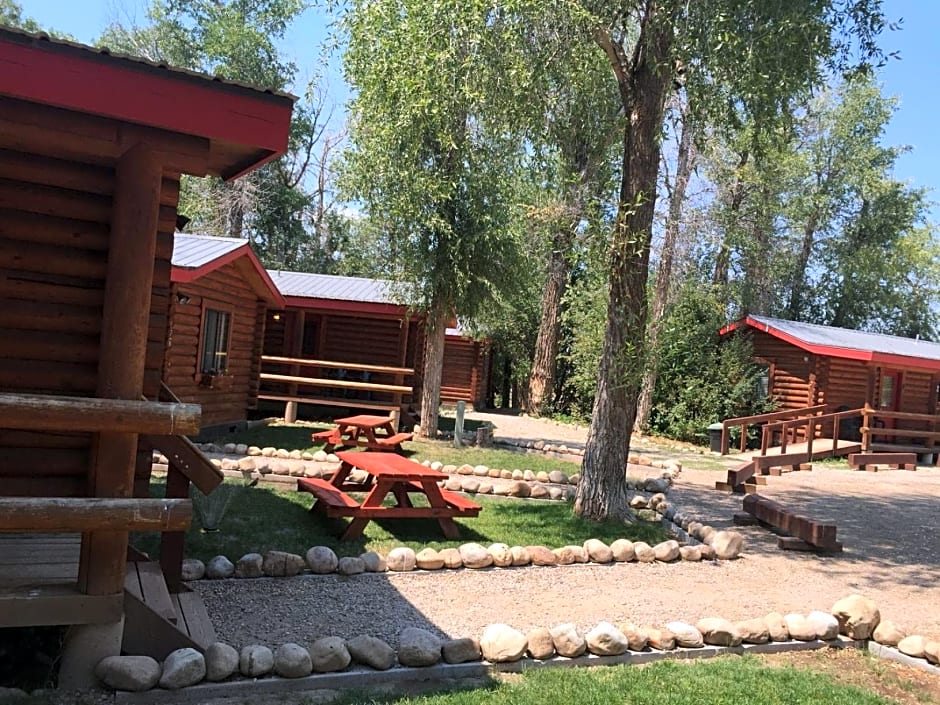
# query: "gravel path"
[889,522]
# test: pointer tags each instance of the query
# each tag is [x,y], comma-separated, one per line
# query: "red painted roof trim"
[344,306]
[88,81]
[183,275]
[883,359]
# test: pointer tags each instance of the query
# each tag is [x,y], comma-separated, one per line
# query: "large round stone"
[329,654]
[372,652]
[606,640]
[321,560]
[567,641]
[220,567]
[598,551]
[727,545]
[132,673]
[474,555]
[401,559]
[718,632]
[462,650]
[249,566]
[540,644]
[255,660]
[418,647]
[221,661]
[858,616]
[501,643]
[292,661]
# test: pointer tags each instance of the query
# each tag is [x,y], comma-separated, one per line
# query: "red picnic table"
[366,431]
[387,474]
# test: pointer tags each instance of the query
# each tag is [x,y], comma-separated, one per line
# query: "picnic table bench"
[365,430]
[387,474]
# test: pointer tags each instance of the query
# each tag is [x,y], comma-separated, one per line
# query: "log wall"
[54,237]
[224,289]
[790,371]
[464,375]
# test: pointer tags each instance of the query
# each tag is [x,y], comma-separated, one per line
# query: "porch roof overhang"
[881,358]
[244,126]
[249,264]
[365,308]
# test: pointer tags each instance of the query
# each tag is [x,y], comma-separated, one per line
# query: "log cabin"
[92,148]
[219,298]
[364,322]
[807,365]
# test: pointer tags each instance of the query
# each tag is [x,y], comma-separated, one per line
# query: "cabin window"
[216,327]
[763,382]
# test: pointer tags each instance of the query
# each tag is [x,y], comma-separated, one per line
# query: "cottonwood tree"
[751,56]
[433,154]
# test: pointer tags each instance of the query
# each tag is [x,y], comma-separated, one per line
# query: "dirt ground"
[888,521]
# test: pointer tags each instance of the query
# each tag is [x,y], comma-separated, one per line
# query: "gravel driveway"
[888,521]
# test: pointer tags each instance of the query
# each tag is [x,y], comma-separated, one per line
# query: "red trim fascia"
[346,306]
[94,83]
[184,275]
[834,351]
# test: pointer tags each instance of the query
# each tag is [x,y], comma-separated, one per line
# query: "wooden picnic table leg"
[401,495]
[449,527]
[436,499]
[354,529]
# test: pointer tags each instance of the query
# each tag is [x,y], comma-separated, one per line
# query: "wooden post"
[724,438]
[866,427]
[172,543]
[458,423]
[296,348]
[123,349]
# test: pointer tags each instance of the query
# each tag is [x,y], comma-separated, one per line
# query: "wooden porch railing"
[922,441]
[321,389]
[811,425]
[746,421]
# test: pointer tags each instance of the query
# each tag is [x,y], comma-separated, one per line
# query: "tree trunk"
[723,260]
[435,330]
[661,292]
[798,285]
[542,376]
[643,81]
[506,401]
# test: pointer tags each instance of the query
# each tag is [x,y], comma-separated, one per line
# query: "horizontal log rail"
[68,514]
[294,387]
[46,412]
[332,364]
[745,421]
[339,383]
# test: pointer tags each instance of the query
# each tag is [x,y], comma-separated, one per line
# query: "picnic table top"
[364,421]
[389,464]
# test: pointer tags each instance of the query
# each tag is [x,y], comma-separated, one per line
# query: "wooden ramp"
[745,478]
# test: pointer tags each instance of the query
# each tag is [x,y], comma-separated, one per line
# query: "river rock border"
[187,675]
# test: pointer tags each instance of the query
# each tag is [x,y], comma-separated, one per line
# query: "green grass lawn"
[263,518]
[297,437]
[722,681]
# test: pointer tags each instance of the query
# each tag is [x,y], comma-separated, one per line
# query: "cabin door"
[889,395]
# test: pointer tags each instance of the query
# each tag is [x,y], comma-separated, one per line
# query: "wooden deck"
[38,583]
[822,448]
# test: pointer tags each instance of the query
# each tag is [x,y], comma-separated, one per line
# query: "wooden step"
[144,580]
[193,618]
[157,622]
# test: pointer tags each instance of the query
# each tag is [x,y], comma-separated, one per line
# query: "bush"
[702,377]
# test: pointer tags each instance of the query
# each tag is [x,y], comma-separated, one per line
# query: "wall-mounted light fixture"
[276,317]
[182,298]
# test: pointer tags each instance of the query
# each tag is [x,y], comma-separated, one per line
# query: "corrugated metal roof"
[328,286]
[194,251]
[142,62]
[813,334]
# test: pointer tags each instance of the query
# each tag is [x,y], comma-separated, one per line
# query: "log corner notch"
[803,534]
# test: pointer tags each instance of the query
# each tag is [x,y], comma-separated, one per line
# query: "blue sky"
[911,78]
